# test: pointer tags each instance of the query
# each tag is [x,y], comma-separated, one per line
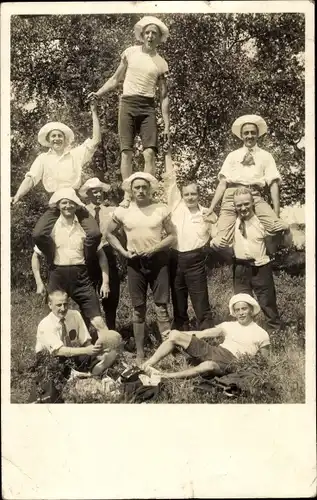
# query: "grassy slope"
[285,371]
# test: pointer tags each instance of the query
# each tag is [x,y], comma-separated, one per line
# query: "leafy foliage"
[221,66]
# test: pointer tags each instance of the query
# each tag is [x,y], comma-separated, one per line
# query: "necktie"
[242,228]
[64,332]
[248,159]
[97,215]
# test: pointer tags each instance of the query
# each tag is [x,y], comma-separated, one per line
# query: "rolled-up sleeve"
[226,169]
[173,194]
[48,340]
[36,170]
[271,173]
[84,153]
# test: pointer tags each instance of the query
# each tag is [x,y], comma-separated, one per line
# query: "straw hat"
[93,184]
[145,21]
[126,185]
[42,135]
[244,297]
[242,120]
[64,193]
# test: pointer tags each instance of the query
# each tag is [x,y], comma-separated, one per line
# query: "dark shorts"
[137,117]
[75,281]
[202,351]
[146,271]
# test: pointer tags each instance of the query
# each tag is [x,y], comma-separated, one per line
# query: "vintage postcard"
[158,249]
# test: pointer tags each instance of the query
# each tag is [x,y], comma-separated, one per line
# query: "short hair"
[257,128]
[54,292]
[189,183]
[242,190]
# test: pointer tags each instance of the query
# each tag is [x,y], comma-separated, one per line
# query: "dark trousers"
[110,304]
[188,277]
[248,278]
[43,229]
[75,281]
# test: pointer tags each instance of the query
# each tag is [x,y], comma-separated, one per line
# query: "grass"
[281,380]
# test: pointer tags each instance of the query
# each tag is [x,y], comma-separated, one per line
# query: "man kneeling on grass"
[242,336]
[64,335]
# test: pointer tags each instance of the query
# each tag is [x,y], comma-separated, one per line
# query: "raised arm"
[113,81]
[96,131]
[173,194]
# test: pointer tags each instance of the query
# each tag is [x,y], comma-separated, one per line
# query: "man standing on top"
[141,69]
[143,222]
[188,257]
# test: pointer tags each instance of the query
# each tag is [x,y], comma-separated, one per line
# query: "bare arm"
[170,237]
[275,195]
[173,194]
[209,333]
[36,269]
[25,186]
[90,350]
[104,266]
[113,240]
[164,100]
[96,131]
[114,80]
[222,186]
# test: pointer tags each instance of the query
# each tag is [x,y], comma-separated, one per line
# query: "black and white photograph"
[158,207]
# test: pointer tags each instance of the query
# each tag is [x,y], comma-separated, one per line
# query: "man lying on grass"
[242,336]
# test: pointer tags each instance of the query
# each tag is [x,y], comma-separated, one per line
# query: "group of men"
[165,245]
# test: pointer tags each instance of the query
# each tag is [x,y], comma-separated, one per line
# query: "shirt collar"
[61,220]
[54,319]
[52,152]
[255,149]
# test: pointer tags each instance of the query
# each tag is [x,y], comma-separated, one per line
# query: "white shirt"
[240,339]
[143,225]
[253,246]
[105,217]
[263,172]
[57,172]
[142,72]
[192,232]
[69,242]
[49,332]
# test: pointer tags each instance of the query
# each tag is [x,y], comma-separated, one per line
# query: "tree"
[221,66]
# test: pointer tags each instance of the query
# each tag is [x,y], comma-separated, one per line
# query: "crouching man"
[64,335]
[242,336]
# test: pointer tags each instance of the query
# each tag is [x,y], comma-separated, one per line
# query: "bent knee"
[139,314]
[98,323]
[113,339]
[149,153]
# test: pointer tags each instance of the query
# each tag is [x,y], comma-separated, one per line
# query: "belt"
[254,187]
[189,252]
[245,262]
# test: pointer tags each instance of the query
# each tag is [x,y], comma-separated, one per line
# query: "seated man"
[242,336]
[69,271]
[63,334]
[253,167]
[61,166]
